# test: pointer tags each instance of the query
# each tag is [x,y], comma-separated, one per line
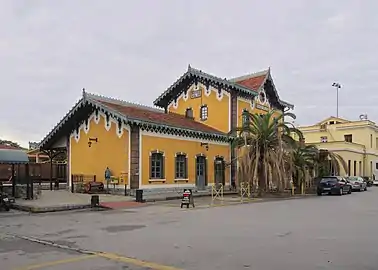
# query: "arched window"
[204,112]
[157,165]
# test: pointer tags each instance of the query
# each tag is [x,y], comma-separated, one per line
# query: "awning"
[13,156]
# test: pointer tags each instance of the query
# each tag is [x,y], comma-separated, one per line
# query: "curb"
[52,244]
[32,209]
[178,197]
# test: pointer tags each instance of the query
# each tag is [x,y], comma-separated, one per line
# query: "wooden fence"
[40,172]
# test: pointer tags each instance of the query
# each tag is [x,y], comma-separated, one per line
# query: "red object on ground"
[121,205]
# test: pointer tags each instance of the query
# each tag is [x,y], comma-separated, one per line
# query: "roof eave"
[194,72]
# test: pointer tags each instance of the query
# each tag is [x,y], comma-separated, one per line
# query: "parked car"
[375,182]
[368,181]
[334,185]
[357,182]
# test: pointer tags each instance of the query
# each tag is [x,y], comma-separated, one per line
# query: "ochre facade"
[218,105]
[146,147]
[172,145]
[111,149]
[250,106]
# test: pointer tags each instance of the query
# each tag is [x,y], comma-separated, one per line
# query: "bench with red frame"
[94,187]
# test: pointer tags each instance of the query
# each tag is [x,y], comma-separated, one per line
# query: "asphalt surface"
[328,232]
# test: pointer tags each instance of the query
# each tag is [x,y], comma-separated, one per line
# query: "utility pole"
[337,86]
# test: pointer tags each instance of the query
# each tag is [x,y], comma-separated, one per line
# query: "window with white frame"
[157,165]
[181,167]
[204,112]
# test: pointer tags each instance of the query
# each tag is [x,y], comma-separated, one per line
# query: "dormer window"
[204,112]
[189,113]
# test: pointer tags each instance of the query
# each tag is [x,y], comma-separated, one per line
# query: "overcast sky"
[134,50]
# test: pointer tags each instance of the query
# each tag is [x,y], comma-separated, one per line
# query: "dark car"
[368,181]
[334,185]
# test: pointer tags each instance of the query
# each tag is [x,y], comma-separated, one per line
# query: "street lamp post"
[337,86]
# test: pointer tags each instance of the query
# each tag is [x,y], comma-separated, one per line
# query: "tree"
[10,143]
[265,150]
[310,162]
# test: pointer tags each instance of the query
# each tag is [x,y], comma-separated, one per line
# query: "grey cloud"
[50,50]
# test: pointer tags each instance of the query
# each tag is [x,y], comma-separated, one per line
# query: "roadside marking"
[53,263]
[151,265]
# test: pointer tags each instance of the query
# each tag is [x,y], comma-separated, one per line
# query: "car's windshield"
[325,180]
[354,178]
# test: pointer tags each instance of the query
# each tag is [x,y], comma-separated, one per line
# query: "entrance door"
[219,171]
[201,172]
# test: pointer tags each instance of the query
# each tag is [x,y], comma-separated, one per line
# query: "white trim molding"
[181,138]
[207,93]
[166,186]
[85,126]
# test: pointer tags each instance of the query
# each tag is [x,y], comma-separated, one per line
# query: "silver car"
[358,183]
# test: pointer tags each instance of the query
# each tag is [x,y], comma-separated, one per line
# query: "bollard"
[95,201]
[125,190]
[139,196]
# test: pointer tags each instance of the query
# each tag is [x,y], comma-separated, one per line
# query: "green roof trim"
[13,156]
[192,72]
[90,99]
[231,83]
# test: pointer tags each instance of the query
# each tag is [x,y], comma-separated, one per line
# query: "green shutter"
[162,166]
[176,167]
[150,162]
[186,166]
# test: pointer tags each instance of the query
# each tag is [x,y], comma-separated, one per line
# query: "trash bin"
[95,200]
[139,195]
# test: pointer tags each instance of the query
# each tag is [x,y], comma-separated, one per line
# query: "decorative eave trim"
[143,124]
[224,83]
[74,109]
[281,102]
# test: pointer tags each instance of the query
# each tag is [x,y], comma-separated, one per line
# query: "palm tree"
[309,161]
[265,145]
[304,159]
[329,162]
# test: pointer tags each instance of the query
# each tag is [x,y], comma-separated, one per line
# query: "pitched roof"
[144,116]
[159,117]
[192,73]
[246,85]
[252,81]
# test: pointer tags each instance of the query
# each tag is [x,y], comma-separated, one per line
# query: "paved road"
[328,232]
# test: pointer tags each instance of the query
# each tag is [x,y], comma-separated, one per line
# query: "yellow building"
[185,143]
[355,141]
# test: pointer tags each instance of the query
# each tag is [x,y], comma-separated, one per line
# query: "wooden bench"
[94,186]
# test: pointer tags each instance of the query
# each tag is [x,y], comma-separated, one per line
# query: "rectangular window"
[376,166]
[376,143]
[371,140]
[371,168]
[245,118]
[354,168]
[349,163]
[360,168]
[157,166]
[181,167]
[323,139]
[204,112]
[348,137]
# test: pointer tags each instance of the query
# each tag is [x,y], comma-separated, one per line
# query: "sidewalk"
[61,200]
[176,195]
